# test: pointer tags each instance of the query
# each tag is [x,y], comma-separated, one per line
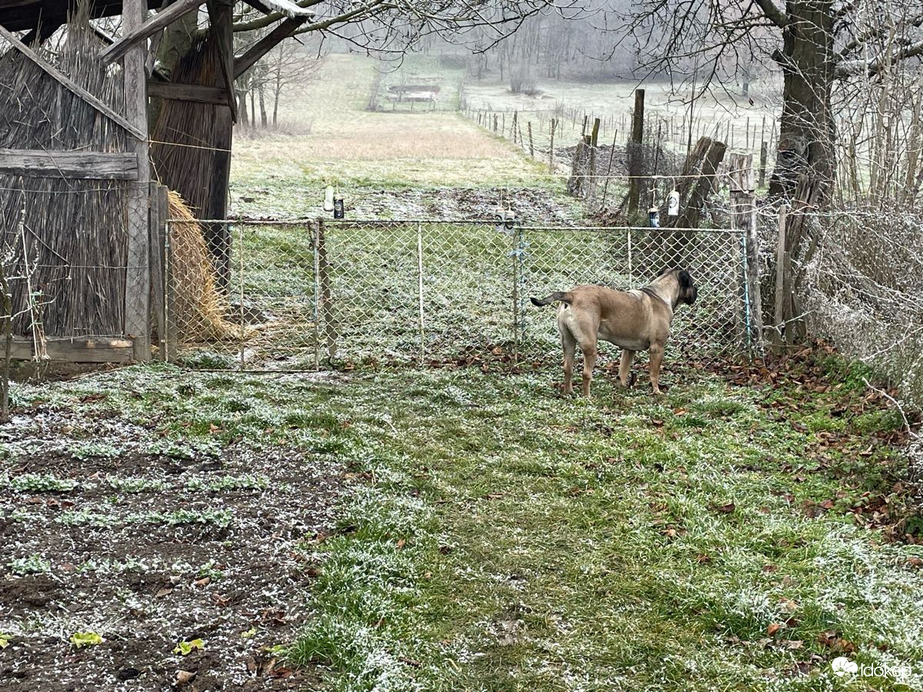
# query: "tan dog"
[632,320]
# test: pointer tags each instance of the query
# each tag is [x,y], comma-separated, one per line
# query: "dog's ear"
[685,279]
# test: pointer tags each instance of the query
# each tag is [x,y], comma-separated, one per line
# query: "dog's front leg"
[625,367]
[656,362]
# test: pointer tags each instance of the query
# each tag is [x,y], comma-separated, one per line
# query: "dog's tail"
[557,295]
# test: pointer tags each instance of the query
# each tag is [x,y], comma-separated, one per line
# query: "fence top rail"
[646,229]
[457,222]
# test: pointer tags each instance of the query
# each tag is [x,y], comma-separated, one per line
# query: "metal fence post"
[748,320]
[326,298]
[420,290]
[521,292]
[314,246]
[242,346]
[169,299]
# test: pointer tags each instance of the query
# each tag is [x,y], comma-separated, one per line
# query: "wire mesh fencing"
[860,291]
[315,294]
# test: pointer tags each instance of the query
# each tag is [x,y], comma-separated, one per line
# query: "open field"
[725,115]
[365,154]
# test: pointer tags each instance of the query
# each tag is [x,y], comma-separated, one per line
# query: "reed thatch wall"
[71,233]
[186,164]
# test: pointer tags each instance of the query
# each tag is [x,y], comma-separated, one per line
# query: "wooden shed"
[81,212]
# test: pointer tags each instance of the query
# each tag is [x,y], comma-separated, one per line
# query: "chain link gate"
[308,295]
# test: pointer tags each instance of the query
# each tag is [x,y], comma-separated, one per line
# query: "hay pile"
[199,310]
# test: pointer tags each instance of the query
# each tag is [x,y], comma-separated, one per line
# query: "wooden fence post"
[764,151]
[138,274]
[554,123]
[636,153]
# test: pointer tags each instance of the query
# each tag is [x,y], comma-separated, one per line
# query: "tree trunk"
[242,108]
[264,118]
[805,160]
[807,130]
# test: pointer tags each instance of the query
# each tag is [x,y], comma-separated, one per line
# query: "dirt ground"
[184,562]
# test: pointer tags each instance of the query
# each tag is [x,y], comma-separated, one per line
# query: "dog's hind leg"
[570,348]
[589,362]
[625,367]
[656,362]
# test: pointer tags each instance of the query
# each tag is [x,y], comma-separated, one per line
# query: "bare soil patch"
[149,550]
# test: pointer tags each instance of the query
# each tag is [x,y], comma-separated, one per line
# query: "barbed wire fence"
[312,294]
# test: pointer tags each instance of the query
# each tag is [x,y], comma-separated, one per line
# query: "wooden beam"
[82,165]
[266,44]
[138,277]
[188,92]
[74,88]
[97,350]
[218,236]
[289,9]
[222,25]
[159,21]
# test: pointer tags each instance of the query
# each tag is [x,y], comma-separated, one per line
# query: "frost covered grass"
[499,537]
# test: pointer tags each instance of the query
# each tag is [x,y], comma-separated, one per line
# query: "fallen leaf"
[401,543]
[166,591]
[186,648]
[773,628]
[82,639]
[184,677]
[204,581]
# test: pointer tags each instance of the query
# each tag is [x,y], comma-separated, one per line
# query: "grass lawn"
[499,537]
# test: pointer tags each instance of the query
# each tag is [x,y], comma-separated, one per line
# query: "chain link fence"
[315,294]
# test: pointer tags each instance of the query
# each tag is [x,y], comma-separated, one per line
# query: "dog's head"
[686,290]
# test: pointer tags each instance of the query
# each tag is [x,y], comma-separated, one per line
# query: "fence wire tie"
[778,327]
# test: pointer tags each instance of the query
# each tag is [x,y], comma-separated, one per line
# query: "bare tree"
[816,43]
[286,66]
